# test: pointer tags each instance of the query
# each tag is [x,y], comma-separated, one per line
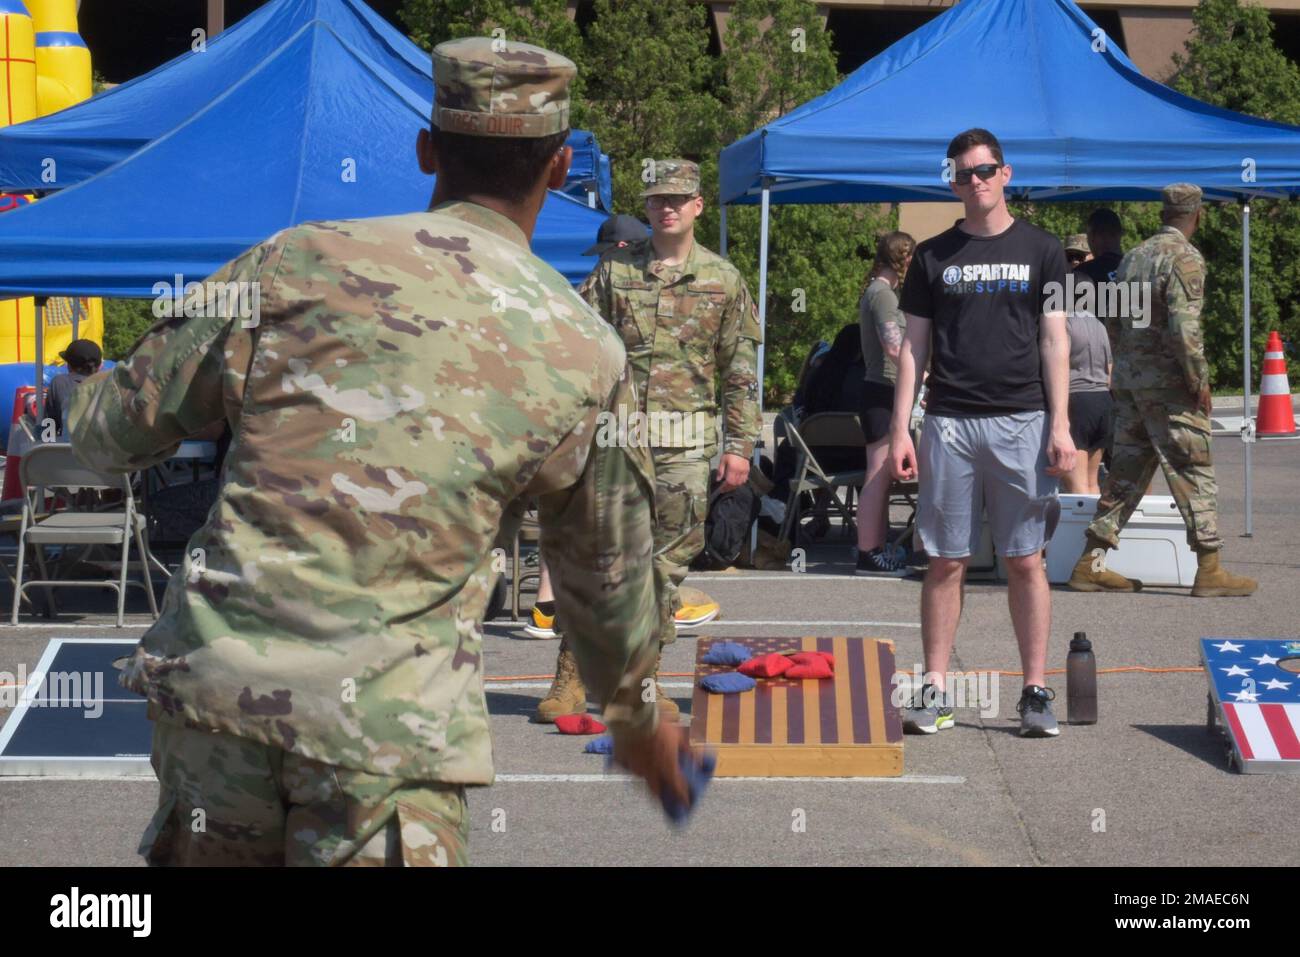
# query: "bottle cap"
[1080,642]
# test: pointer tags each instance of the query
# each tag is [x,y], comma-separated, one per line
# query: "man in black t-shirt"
[1105,237]
[997,431]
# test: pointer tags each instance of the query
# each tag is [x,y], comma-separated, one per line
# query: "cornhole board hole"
[1255,699]
[839,727]
[71,717]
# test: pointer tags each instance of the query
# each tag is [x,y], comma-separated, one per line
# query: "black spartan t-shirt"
[984,296]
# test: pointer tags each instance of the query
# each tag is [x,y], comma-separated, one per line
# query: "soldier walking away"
[316,680]
[688,322]
[1162,407]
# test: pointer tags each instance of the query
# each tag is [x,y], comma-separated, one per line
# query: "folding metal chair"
[833,429]
[53,467]
[530,532]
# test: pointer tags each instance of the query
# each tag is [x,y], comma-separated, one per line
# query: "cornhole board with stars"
[1255,695]
[845,726]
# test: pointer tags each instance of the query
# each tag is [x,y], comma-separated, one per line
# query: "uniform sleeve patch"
[1191,273]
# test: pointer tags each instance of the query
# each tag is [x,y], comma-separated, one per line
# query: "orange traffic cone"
[1276,416]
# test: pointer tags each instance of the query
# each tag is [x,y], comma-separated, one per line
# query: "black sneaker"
[879,563]
[1036,717]
[922,718]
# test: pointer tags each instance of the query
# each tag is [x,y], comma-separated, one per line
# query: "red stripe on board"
[1230,712]
[1279,725]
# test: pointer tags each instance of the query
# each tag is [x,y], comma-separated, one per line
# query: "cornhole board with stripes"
[1255,695]
[845,726]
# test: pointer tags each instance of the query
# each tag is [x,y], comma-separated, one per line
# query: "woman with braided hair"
[881,324]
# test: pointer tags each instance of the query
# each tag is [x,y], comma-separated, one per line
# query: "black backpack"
[726,529]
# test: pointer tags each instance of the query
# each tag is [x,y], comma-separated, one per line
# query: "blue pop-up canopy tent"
[589,176]
[91,136]
[1076,119]
[317,130]
[88,138]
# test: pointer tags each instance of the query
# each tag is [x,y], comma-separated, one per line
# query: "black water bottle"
[1081,681]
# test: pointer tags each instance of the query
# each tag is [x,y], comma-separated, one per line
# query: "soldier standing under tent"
[1162,407]
[687,320]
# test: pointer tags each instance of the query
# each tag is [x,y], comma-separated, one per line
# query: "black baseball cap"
[82,352]
[615,230]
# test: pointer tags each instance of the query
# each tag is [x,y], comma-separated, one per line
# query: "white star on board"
[1265,659]
[1235,670]
[1275,685]
[1244,696]
[1227,646]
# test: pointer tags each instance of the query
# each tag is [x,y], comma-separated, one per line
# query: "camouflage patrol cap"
[673,177]
[1078,242]
[1181,198]
[489,87]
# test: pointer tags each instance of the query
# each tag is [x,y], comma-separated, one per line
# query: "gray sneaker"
[1036,717]
[929,712]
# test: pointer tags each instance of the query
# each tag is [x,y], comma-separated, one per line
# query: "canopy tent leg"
[722,231]
[762,345]
[76,318]
[42,303]
[1247,422]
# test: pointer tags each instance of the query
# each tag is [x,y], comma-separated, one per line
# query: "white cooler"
[1153,547]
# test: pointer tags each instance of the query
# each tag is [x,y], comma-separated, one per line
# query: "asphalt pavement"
[1146,785]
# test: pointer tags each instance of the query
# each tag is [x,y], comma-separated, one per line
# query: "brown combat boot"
[1213,582]
[667,706]
[567,695]
[1090,572]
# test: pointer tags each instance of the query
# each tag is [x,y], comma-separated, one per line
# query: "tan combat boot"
[1090,572]
[1213,582]
[567,695]
[667,706]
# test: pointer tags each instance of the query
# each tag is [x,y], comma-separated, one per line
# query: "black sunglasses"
[985,171]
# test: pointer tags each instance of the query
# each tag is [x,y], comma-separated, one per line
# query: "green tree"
[650,82]
[1232,62]
[125,321]
[544,23]
[778,57]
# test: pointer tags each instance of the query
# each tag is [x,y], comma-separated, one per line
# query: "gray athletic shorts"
[998,464]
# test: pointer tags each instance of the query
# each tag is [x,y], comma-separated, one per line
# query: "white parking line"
[600,778]
[715,577]
[494,685]
[552,779]
[805,623]
[108,625]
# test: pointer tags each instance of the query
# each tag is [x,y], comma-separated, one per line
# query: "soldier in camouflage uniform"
[316,677]
[1162,406]
[687,320]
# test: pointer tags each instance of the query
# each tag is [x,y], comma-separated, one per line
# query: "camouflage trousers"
[681,505]
[228,801]
[1160,428]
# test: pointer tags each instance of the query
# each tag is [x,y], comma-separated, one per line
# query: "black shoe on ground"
[879,563]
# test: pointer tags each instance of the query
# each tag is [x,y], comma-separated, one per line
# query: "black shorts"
[1091,420]
[876,411]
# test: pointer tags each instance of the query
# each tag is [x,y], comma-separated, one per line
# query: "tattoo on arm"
[891,336]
